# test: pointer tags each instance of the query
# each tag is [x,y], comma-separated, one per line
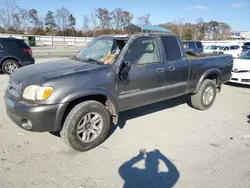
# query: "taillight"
[27,50]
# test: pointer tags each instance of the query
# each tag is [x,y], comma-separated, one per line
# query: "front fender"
[207,74]
[8,57]
[98,91]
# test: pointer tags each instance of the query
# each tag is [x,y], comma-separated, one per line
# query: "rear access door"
[177,67]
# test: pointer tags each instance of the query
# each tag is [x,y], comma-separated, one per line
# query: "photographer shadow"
[150,176]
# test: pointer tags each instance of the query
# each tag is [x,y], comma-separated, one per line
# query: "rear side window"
[247,43]
[22,44]
[191,45]
[234,47]
[199,45]
[172,48]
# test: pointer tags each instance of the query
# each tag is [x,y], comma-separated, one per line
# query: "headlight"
[34,92]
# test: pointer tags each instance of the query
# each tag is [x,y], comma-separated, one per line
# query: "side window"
[234,47]
[199,45]
[185,45]
[172,48]
[191,45]
[143,51]
[226,48]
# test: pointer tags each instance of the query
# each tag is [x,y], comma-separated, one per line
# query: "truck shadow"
[149,109]
[142,111]
[150,175]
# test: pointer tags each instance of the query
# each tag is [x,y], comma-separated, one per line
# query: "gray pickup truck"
[82,96]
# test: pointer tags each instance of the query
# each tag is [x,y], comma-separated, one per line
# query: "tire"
[80,114]
[199,101]
[9,66]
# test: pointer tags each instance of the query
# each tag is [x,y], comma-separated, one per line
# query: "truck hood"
[52,69]
[241,64]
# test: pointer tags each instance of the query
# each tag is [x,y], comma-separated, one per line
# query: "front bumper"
[240,78]
[42,117]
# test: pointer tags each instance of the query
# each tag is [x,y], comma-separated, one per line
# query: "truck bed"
[200,63]
[191,55]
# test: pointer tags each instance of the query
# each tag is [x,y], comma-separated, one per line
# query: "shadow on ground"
[149,176]
[149,109]
[142,111]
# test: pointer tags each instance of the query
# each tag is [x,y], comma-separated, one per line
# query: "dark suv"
[193,46]
[14,53]
[246,47]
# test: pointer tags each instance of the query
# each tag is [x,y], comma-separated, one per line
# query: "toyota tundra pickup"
[81,97]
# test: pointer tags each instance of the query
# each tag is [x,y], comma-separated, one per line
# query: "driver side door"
[146,75]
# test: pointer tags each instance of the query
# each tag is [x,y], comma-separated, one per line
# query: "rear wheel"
[86,126]
[206,95]
[9,66]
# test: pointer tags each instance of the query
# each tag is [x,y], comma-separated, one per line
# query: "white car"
[210,49]
[217,50]
[241,69]
[234,50]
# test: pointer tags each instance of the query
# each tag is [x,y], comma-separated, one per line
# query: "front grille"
[14,88]
[234,79]
[240,71]
[245,80]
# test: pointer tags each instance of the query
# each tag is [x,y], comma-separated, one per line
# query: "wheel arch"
[9,58]
[212,74]
[75,98]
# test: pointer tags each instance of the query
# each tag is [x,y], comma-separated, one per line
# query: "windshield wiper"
[87,59]
[93,60]
[76,58]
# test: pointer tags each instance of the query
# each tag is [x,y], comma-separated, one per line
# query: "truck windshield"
[98,49]
[245,55]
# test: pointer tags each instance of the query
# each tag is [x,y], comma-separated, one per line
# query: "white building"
[245,35]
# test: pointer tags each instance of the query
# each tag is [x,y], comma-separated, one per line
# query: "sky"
[234,12]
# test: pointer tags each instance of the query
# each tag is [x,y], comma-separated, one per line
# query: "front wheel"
[205,97]
[9,66]
[86,126]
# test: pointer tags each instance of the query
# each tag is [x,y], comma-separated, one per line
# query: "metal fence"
[53,40]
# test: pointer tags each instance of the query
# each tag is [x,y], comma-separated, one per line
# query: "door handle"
[159,70]
[171,68]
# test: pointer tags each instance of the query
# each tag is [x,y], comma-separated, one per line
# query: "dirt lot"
[193,149]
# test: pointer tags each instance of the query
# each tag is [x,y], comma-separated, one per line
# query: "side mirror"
[124,71]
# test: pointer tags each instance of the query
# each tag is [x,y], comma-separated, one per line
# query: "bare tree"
[33,17]
[117,16]
[104,17]
[200,27]
[94,21]
[144,19]
[24,18]
[127,19]
[180,27]
[6,14]
[62,16]
[85,23]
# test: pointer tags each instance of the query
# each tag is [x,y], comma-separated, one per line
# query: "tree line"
[14,19]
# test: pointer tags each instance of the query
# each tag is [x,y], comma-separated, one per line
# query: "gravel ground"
[161,145]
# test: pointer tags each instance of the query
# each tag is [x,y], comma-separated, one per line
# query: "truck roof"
[191,41]
[128,36]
